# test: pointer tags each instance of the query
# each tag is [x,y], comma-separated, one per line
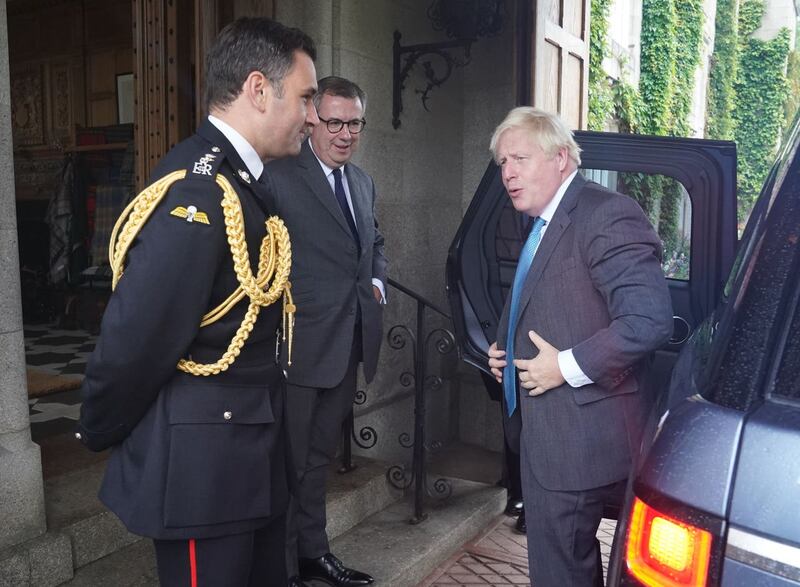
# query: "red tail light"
[662,551]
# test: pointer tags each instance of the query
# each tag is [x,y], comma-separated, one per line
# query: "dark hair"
[247,45]
[339,86]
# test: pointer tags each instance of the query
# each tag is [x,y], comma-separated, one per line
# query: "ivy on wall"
[748,93]
[601,100]
[761,92]
[724,61]
[657,73]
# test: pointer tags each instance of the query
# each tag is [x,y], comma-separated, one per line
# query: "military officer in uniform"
[183,382]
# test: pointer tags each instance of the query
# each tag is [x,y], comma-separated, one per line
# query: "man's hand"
[497,362]
[541,373]
[376,291]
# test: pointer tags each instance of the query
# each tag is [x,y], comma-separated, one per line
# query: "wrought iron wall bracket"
[405,58]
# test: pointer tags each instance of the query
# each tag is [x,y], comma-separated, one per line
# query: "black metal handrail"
[398,336]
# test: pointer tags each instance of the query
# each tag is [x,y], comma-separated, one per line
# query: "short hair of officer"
[547,130]
[247,45]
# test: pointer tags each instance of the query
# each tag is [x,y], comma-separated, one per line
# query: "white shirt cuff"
[379,284]
[570,370]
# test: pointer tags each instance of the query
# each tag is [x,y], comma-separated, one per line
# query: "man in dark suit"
[338,284]
[588,306]
[191,399]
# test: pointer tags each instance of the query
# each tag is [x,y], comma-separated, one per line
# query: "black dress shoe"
[330,569]
[294,581]
[521,527]
[513,507]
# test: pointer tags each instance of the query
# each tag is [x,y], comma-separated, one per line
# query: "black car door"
[484,252]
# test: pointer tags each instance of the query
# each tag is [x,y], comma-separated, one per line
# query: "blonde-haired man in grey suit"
[588,307]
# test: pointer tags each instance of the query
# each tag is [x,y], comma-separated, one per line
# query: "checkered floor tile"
[60,352]
[56,352]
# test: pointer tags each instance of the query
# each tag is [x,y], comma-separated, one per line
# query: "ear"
[257,90]
[562,156]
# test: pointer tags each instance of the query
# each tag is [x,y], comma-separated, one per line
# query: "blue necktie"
[338,190]
[523,266]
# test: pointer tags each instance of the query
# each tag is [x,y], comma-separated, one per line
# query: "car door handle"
[680,330]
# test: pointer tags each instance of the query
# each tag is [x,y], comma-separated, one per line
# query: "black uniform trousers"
[315,417]
[250,559]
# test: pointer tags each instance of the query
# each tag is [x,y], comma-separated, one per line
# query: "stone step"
[400,554]
[98,539]
[395,552]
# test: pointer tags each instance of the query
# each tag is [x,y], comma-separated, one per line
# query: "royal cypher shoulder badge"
[190,214]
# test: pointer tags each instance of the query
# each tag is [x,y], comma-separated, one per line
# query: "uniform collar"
[244,149]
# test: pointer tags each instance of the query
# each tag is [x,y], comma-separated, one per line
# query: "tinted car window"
[668,206]
[787,383]
[754,311]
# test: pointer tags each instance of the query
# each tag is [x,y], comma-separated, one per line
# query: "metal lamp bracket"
[405,58]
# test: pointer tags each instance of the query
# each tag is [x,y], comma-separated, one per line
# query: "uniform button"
[78,435]
[227,415]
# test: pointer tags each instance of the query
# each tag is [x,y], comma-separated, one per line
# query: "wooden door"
[170,41]
[553,57]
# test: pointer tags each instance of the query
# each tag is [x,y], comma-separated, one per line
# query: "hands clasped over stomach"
[538,374]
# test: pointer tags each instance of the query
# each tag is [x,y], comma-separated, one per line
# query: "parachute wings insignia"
[190,214]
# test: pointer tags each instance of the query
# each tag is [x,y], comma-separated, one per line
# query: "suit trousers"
[250,559]
[562,528]
[315,417]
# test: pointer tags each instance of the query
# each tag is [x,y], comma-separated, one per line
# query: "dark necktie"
[523,266]
[338,190]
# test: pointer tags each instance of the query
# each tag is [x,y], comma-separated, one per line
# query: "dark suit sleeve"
[623,254]
[153,315]
[379,260]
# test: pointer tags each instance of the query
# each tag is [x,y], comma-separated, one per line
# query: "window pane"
[666,203]
[787,383]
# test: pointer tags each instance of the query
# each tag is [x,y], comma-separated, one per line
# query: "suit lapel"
[555,230]
[316,180]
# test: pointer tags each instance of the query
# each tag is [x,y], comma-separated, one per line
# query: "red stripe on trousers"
[193,562]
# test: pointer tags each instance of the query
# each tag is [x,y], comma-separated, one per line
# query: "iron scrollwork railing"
[366,438]
[443,342]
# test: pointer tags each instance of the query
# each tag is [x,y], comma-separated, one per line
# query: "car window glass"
[787,383]
[666,203]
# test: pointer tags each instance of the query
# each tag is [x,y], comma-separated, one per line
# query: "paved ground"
[499,556]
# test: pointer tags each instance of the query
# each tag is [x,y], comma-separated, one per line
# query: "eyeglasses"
[335,125]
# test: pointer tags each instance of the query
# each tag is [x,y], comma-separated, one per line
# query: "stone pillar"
[21,487]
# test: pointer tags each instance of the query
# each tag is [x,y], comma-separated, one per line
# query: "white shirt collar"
[245,150]
[325,168]
[550,209]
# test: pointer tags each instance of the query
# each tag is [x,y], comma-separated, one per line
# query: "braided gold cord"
[275,258]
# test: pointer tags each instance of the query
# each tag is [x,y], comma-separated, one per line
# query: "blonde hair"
[547,129]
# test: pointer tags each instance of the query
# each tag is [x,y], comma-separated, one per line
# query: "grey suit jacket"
[595,286]
[331,281]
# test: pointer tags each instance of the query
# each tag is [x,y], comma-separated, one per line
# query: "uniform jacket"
[595,286]
[179,467]
[331,278]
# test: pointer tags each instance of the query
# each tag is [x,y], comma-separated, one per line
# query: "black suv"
[714,496]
